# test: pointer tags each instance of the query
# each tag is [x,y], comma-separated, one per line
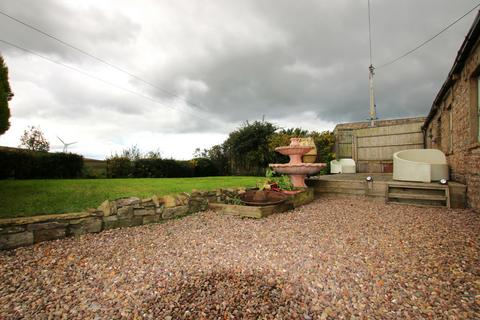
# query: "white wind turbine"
[65,145]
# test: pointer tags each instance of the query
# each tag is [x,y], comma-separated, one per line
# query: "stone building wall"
[458,137]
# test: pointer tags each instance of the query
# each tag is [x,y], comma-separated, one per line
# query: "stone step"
[416,196]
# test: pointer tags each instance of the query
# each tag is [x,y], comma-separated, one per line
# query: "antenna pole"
[371,73]
[373,111]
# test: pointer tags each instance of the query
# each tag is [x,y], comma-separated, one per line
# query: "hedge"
[122,167]
[23,164]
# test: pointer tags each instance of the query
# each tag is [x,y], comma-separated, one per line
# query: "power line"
[98,79]
[99,59]
[428,40]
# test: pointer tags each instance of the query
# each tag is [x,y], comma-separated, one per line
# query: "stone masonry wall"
[464,154]
[120,213]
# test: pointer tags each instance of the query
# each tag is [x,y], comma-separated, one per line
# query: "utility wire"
[98,79]
[99,59]
[428,40]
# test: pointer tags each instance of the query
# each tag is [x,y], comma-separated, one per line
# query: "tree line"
[250,148]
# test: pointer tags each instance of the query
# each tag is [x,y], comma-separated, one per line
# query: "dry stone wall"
[120,213]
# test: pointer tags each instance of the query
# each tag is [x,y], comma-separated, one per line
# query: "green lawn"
[32,197]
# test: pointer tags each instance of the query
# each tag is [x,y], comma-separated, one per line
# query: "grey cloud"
[254,58]
[96,31]
[246,84]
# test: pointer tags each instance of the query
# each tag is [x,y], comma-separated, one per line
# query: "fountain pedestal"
[296,169]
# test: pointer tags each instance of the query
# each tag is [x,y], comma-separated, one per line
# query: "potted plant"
[279,183]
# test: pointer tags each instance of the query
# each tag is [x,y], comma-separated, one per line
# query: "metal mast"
[373,107]
[371,73]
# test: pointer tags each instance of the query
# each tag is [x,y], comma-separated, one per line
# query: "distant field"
[33,197]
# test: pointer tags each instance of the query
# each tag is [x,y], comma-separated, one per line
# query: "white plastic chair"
[342,166]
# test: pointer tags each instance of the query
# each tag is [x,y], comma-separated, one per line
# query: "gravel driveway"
[332,259]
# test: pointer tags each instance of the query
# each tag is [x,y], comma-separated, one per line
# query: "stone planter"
[295,199]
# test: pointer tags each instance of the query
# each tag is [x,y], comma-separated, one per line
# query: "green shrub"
[94,169]
[122,167]
[204,167]
[22,164]
[119,167]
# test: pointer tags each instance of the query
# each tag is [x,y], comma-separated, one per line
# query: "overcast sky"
[298,63]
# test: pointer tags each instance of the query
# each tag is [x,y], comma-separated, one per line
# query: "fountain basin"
[262,198]
[295,152]
[296,168]
[291,150]
[301,168]
[298,171]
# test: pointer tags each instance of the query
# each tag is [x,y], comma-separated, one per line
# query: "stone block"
[110,219]
[196,193]
[154,201]
[108,208]
[160,209]
[146,204]
[136,221]
[11,229]
[14,240]
[197,205]
[125,212]
[182,199]
[46,225]
[147,211]
[151,219]
[169,201]
[130,201]
[174,212]
[95,212]
[48,234]
[251,211]
[122,223]
[83,226]
[212,199]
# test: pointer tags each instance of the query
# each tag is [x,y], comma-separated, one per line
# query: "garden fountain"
[296,169]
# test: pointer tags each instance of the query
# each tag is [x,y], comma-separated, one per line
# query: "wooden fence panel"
[380,143]
[373,148]
[343,142]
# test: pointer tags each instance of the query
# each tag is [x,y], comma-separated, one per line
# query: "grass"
[20,198]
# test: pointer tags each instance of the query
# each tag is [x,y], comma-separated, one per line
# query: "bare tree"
[33,139]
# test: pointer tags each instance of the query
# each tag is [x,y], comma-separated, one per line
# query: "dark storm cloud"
[234,60]
[94,30]
[335,37]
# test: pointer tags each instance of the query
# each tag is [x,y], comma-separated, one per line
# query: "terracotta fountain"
[296,169]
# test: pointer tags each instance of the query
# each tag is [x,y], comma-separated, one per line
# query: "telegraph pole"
[373,107]
[371,73]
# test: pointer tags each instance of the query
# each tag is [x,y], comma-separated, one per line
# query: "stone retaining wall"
[120,213]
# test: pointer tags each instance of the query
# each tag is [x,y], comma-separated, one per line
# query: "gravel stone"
[336,258]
